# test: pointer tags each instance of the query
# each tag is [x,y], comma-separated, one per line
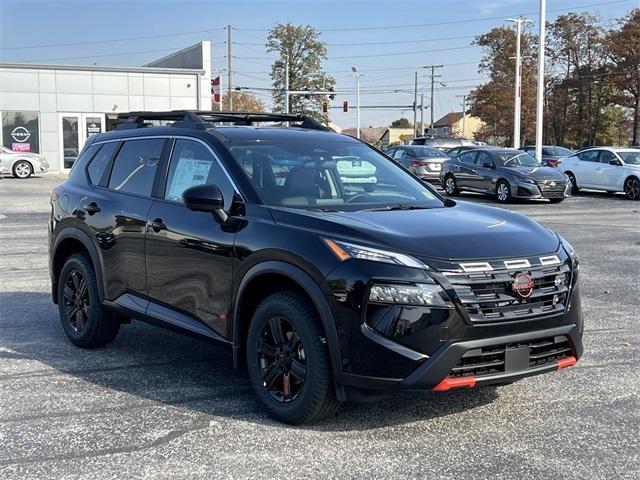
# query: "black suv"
[264,238]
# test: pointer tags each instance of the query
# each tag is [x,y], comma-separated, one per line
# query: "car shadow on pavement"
[157,366]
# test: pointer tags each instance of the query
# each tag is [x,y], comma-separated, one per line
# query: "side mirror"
[614,162]
[205,198]
[488,165]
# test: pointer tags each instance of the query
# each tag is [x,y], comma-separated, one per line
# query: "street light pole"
[464,114]
[415,105]
[357,75]
[518,95]
[421,114]
[433,79]
[286,84]
[540,96]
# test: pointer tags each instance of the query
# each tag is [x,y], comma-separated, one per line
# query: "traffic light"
[325,106]
[345,106]
[332,96]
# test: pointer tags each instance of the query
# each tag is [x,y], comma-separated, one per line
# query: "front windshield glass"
[329,175]
[561,151]
[425,152]
[630,158]
[516,159]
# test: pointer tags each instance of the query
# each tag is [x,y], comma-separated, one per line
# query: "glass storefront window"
[20,131]
[70,140]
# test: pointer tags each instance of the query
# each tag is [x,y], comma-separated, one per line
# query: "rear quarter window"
[98,165]
[135,166]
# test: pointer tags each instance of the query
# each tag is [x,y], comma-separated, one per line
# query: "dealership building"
[52,109]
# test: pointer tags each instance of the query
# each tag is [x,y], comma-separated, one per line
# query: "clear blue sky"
[387,66]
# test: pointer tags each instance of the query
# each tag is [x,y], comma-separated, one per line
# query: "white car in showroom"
[21,164]
[611,169]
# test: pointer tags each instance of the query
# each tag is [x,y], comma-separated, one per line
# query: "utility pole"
[433,77]
[464,114]
[540,96]
[286,84]
[357,75]
[229,88]
[421,114]
[517,130]
[415,106]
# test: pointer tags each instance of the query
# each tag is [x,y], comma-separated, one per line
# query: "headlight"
[421,294]
[567,247]
[345,251]
[527,180]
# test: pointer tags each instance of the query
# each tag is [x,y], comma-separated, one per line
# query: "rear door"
[190,255]
[585,168]
[484,177]
[607,176]
[467,174]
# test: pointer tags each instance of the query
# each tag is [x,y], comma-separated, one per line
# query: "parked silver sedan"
[21,164]
[423,161]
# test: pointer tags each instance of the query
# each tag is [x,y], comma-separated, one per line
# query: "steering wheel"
[358,196]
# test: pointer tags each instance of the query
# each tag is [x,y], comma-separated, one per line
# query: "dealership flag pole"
[540,99]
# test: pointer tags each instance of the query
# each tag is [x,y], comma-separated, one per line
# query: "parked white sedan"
[605,168]
[22,164]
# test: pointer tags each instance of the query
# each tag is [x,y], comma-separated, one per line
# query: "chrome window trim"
[182,137]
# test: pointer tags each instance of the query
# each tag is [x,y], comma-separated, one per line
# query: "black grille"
[550,188]
[493,360]
[488,296]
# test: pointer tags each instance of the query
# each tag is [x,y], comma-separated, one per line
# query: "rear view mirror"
[487,165]
[614,162]
[205,198]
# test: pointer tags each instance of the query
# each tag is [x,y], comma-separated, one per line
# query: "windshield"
[516,159]
[329,175]
[560,151]
[425,152]
[630,158]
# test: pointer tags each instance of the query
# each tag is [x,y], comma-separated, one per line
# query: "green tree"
[242,102]
[623,47]
[401,123]
[305,54]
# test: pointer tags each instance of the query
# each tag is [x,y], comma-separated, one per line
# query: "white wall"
[51,91]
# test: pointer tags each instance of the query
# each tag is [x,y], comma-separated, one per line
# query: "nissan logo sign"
[20,134]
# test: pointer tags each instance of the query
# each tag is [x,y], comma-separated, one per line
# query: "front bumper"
[540,190]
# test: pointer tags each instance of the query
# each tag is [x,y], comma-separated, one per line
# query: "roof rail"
[204,119]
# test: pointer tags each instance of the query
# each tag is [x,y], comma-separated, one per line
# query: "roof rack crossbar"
[205,119]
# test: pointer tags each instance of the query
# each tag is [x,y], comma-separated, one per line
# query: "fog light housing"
[423,294]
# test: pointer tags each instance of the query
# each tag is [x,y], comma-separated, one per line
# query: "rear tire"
[84,320]
[632,188]
[503,192]
[574,183]
[288,360]
[451,186]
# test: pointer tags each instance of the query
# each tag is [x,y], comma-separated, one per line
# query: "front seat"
[301,186]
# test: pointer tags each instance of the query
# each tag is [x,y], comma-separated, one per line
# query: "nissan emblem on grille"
[523,285]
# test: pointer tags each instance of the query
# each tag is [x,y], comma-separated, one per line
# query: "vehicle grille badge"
[523,285]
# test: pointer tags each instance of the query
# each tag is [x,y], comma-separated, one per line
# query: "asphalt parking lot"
[158,405]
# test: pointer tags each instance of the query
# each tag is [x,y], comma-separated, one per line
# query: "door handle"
[474,171]
[91,208]
[157,225]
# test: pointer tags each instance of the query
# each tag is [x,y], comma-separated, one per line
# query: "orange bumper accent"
[449,383]
[566,362]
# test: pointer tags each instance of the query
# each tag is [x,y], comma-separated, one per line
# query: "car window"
[399,153]
[546,151]
[482,158]
[468,157]
[589,156]
[453,152]
[606,155]
[329,174]
[135,166]
[516,159]
[100,162]
[193,164]
[630,158]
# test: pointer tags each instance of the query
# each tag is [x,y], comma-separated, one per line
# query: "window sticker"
[189,172]
[428,195]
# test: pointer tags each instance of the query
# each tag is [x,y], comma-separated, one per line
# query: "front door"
[485,176]
[468,174]
[190,255]
[75,129]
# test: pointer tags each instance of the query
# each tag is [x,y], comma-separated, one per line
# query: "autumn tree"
[301,46]
[623,50]
[493,102]
[242,102]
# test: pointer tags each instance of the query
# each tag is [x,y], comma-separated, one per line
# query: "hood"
[537,173]
[463,232]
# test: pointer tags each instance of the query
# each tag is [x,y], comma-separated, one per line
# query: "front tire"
[574,183]
[22,169]
[451,186]
[288,360]
[632,188]
[503,192]
[83,319]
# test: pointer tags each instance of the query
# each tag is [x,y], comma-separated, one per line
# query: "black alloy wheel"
[632,188]
[76,300]
[282,360]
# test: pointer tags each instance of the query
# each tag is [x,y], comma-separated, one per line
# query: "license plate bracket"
[516,359]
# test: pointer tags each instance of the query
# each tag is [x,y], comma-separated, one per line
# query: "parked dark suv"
[220,228]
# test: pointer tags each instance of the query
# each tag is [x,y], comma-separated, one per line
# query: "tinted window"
[425,152]
[135,166]
[98,165]
[630,158]
[606,155]
[483,158]
[467,157]
[516,159]
[589,156]
[399,153]
[193,164]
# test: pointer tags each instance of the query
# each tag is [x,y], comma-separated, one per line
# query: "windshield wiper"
[398,206]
